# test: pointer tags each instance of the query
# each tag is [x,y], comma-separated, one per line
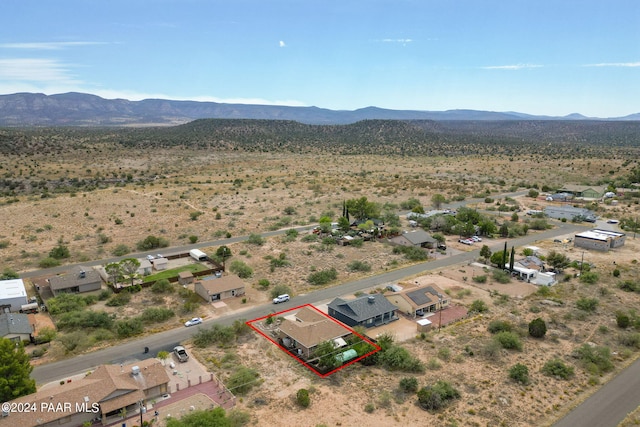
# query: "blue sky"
[551,57]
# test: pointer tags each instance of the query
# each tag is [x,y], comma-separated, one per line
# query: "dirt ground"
[241,193]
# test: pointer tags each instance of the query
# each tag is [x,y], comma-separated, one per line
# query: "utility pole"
[581,263]
[440,320]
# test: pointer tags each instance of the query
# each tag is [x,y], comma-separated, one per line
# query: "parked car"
[159,256]
[193,322]
[613,221]
[181,353]
[466,241]
[442,246]
[476,239]
[150,257]
[281,298]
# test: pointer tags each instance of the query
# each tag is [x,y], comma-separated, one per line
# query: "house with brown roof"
[79,279]
[185,277]
[100,396]
[307,328]
[415,300]
[220,288]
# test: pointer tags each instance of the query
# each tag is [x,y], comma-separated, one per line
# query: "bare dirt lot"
[240,193]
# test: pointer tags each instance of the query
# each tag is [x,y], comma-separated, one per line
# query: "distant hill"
[79,109]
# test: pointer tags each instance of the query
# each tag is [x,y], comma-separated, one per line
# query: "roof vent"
[83,274]
[371,299]
[135,370]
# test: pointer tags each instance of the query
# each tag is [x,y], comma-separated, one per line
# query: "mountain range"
[80,109]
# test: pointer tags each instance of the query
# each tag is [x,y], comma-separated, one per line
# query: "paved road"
[132,350]
[609,405]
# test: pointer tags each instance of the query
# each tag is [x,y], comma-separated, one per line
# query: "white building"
[13,295]
[601,240]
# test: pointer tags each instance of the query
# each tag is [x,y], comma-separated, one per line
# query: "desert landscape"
[184,195]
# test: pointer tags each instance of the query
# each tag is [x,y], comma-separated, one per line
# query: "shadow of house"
[220,288]
[101,395]
[307,330]
[416,238]
[367,311]
[16,327]
[419,300]
[80,279]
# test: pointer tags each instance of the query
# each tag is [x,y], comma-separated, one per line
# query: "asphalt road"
[609,405]
[133,350]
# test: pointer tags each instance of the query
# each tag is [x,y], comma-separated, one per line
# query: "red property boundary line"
[302,362]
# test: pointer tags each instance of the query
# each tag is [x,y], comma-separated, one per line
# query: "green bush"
[118,300]
[496,326]
[121,250]
[519,373]
[480,279]
[622,320]
[396,358]
[630,340]
[84,319]
[359,266]
[508,340]
[433,398]
[557,368]
[596,359]
[537,328]
[587,304]
[241,269]
[48,262]
[65,303]
[302,397]
[128,327]
[629,286]
[242,380]
[409,384]
[264,284]
[162,286]
[478,306]
[156,314]
[411,253]
[280,290]
[589,278]
[255,239]
[152,242]
[322,277]
[59,252]
[216,334]
[501,276]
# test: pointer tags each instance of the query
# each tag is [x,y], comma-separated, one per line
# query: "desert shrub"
[121,250]
[397,358]
[104,294]
[496,326]
[433,398]
[616,272]
[359,266]
[630,340]
[357,243]
[501,276]
[118,300]
[255,239]
[48,262]
[322,277]
[478,306]
[216,334]
[264,284]
[369,408]
[152,242]
[409,384]
[519,373]
[65,303]
[310,238]
[241,269]
[557,368]
[622,320]
[480,279]
[629,286]
[45,335]
[279,290]
[74,341]
[60,252]
[508,340]
[84,319]
[537,328]
[162,286]
[193,239]
[589,278]
[587,304]
[302,397]
[595,359]
[156,314]
[242,380]
[128,327]
[290,235]
[411,253]
[444,353]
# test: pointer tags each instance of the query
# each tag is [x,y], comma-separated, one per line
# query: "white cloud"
[615,64]
[511,67]
[281,43]
[404,41]
[47,45]
[35,70]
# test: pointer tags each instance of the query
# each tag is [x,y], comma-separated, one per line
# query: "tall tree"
[362,209]
[130,268]
[14,371]
[512,259]
[504,256]
[437,200]
[114,271]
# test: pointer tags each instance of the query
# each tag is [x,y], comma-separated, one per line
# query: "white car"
[476,239]
[281,298]
[466,241]
[193,322]
[150,257]
[613,221]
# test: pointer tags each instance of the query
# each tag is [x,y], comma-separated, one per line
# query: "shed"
[185,278]
[160,264]
[13,295]
[423,325]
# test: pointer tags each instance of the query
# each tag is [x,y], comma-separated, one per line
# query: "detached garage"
[600,240]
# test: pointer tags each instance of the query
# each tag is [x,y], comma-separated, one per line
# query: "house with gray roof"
[417,238]
[367,311]
[570,213]
[79,279]
[15,327]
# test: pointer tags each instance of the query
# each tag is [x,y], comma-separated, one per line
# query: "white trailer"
[198,255]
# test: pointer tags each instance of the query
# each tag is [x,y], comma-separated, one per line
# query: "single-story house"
[569,213]
[584,191]
[160,264]
[307,329]
[13,295]
[79,279]
[101,395]
[530,261]
[417,238]
[418,300]
[367,311]
[16,327]
[601,240]
[220,288]
[185,278]
[145,267]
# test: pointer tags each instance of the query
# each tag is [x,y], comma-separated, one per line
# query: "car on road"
[466,241]
[181,353]
[193,322]
[150,257]
[281,298]
[476,238]
[612,221]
